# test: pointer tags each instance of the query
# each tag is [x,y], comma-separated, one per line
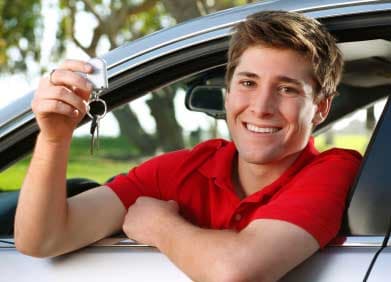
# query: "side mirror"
[208,99]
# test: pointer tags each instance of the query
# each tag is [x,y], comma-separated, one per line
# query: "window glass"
[11,179]
[353,131]
[170,126]
[155,123]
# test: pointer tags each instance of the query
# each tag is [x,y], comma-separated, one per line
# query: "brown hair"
[294,31]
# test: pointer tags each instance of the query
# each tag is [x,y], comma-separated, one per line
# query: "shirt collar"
[220,165]
[306,156]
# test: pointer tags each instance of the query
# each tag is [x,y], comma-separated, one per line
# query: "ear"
[323,110]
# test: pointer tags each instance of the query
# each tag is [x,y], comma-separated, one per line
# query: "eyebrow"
[248,74]
[290,80]
[280,77]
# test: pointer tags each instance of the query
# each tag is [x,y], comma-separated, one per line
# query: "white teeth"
[257,129]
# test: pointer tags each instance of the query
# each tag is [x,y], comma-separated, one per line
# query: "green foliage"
[20,33]
[21,26]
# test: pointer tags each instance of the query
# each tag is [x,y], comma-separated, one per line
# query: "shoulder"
[334,167]
[337,158]
[209,147]
[340,154]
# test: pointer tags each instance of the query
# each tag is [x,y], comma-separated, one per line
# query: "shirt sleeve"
[145,179]
[315,199]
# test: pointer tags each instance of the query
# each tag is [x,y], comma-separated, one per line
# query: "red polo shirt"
[311,193]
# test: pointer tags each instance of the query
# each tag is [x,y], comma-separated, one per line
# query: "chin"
[259,158]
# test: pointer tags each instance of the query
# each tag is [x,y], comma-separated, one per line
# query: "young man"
[251,209]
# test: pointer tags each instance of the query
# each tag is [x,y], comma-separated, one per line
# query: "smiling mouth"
[256,129]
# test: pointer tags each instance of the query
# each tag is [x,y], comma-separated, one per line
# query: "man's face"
[270,105]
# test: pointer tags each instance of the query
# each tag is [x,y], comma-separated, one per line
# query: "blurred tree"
[20,33]
[116,21]
[370,118]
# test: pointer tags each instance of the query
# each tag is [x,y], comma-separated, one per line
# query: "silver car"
[192,57]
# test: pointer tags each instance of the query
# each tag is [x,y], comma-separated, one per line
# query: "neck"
[249,178]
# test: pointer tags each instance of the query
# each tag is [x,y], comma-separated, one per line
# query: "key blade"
[94,125]
[97,135]
[92,145]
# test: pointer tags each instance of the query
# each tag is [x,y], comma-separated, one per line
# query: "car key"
[96,107]
[98,77]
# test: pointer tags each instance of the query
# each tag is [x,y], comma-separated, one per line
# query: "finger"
[45,89]
[76,65]
[70,79]
[85,95]
[53,106]
[64,95]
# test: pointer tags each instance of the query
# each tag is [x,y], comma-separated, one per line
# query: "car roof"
[219,24]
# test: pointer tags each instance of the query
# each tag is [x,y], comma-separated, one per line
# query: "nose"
[263,102]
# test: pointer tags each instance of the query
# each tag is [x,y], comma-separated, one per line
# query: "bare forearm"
[224,255]
[42,207]
[263,251]
[203,254]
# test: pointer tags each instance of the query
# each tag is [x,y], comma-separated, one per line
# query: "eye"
[287,90]
[247,83]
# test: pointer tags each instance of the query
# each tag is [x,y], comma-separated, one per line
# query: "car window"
[353,131]
[158,122]
[117,154]
[11,179]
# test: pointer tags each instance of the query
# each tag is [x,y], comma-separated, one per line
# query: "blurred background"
[35,36]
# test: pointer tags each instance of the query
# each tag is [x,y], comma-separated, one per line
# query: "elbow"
[237,272]
[34,243]
[33,249]
[29,250]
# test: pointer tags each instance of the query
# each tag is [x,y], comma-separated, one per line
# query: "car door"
[352,256]
[373,194]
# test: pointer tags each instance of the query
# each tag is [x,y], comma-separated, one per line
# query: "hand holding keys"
[96,107]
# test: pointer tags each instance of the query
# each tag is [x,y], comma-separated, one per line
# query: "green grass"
[355,142]
[114,156]
[11,179]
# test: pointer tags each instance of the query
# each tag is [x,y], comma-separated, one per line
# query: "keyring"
[96,115]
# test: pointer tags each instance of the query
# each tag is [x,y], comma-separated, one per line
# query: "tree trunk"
[371,120]
[213,130]
[169,132]
[182,10]
[130,128]
[329,138]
